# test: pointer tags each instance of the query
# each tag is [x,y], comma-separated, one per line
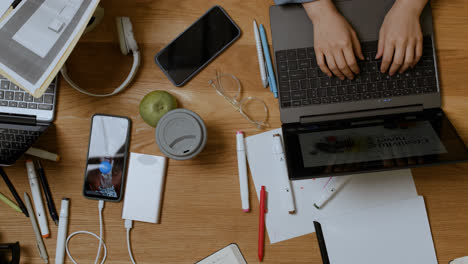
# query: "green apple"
[156,104]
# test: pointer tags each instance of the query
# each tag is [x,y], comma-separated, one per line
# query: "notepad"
[228,255]
[397,232]
[363,191]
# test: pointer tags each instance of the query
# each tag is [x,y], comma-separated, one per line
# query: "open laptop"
[23,118]
[375,122]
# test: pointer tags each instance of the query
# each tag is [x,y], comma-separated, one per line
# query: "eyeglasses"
[252,108]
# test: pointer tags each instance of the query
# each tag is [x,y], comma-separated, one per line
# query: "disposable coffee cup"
[181,134]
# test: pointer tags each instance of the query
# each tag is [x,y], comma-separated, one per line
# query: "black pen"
[47,193]
[13,191]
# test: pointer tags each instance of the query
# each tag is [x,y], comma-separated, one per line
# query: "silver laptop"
[375,122]
[23,118]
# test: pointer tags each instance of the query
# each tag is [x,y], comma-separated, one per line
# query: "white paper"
[398,232]
[35,34]
[4,5]
[363,191]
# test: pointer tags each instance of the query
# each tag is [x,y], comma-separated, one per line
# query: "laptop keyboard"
[13,142]
[302,83]
[13,96]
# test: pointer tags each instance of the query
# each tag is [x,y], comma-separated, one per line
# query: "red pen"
[261,224]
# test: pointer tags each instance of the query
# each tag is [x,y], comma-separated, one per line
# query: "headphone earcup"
[95,19]
[120,31]
[126,37]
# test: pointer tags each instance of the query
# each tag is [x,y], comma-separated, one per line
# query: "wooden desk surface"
[201,210]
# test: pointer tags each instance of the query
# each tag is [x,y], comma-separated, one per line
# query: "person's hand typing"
[401,40]
[335,41]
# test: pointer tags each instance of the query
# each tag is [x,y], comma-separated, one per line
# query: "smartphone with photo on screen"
[107,157]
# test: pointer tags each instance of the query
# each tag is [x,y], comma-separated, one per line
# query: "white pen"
[37,199]
[261,60]
[243,180]
[40,243]
[333,185]
[285,184]
[62,232]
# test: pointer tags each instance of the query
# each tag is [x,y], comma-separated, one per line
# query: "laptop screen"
[371,144]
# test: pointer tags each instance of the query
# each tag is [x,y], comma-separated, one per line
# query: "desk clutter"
[358,215]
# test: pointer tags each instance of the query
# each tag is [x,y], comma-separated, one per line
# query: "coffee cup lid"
[181,134]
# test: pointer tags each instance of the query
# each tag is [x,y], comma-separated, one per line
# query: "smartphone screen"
[107,156]
[197,46]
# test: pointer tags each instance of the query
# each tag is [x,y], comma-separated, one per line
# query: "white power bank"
[144,188]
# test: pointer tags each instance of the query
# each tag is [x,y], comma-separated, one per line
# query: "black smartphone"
[197,46]
[107,157]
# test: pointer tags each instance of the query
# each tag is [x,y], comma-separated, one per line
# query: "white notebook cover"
[398,232]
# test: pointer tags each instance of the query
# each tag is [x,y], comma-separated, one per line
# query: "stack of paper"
[363,191]
[37,37]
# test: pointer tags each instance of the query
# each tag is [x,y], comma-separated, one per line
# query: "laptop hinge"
[18,119]
[362,113]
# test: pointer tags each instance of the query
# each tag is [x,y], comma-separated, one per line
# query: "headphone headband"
[127,44]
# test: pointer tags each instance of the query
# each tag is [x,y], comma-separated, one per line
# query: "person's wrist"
[412,6]
[319,8]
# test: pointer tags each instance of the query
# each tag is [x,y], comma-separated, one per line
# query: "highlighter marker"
[331,188]
[62,232]
[285,185]
[242,164]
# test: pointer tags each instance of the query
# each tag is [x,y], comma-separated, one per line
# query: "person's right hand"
[335,41]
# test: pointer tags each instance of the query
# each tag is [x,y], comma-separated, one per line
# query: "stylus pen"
[39,241]
[285,183]
[62,232]
[242,164]
[37,198]
[269,63]
[13,192]
[261,60]
[47,193]
[333,185]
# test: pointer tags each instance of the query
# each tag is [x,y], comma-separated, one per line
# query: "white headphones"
[463,260]
[127,44]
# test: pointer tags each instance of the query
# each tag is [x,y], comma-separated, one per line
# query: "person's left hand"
[401,40]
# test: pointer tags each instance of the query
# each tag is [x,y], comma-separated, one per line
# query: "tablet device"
[197,46]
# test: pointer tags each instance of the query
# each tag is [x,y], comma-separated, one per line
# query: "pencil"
[14,192]
[10,203]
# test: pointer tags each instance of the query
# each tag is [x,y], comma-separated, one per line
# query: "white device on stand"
[127,44]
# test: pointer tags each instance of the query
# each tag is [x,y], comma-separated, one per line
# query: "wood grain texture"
[202,210]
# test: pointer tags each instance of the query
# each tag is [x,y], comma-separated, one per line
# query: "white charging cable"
[100,238]
[128,226]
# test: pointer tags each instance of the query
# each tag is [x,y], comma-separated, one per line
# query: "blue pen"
[266,50]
